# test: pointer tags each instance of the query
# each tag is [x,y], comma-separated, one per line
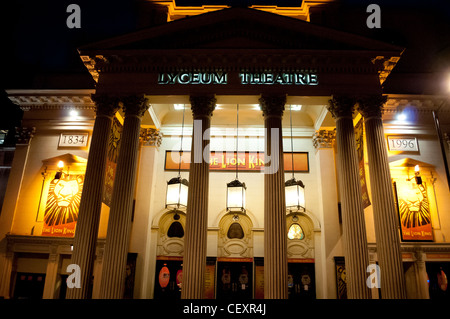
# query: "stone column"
[141,232]
[422,277]
[24,136]
[194,260]
[353,222]
[119,222]
[91,199]
[275,235]
[384,211]
[323,141]
[51,273]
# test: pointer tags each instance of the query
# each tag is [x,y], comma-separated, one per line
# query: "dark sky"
[37,42]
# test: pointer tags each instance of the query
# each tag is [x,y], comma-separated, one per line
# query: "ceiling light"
[296,107]
[178,106]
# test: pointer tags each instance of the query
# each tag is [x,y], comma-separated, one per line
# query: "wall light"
[297,107]
[60,167]
[417,175]
[178,106]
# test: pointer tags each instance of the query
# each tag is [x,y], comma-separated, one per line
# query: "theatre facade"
[135,189]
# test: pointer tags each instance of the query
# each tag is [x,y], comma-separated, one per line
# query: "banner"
[414,210]
[63,203]
[247,161]
[359,136]
[111,161]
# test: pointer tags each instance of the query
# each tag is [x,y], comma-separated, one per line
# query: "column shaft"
[275,235]
[119,222]
[353,222]
[194,260]
[384,211]
[91,199]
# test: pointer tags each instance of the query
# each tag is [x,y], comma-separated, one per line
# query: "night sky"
[37,45]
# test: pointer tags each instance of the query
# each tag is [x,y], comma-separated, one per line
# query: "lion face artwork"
[414,210]
[61,210]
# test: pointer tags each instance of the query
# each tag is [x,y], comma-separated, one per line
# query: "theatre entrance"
[301,280]
[234,278]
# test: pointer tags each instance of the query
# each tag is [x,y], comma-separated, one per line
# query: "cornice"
[51,99]
[236,60]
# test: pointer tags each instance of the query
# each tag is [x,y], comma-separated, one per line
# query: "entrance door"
[234,280]
[301,281]
[29,286]
[168,279]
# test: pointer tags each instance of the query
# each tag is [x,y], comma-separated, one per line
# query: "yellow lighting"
[416,168]
[60,164]
[177,193]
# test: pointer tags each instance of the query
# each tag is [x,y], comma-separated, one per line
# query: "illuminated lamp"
[294,190]
[295,195]
[236,196]
[236,189]
[60,167]
[177,193]
[177,187]
[417,175]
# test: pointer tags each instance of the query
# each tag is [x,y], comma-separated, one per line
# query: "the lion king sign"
[61,209]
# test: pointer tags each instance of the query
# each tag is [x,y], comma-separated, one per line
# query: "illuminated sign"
[247,161]
[268,78]
[295,78]
[193,78]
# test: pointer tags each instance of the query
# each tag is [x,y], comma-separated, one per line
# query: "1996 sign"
[405,144]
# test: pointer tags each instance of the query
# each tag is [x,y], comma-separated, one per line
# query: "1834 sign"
[73,140]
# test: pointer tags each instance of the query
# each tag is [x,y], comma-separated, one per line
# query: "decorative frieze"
[150,137]
[324,138]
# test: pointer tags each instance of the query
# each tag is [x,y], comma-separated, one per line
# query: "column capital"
[341,106]
[24,135]
[324,138]
[105,105]
[202,105]
[371,105]
[272,104]
[135,105]
[150,137]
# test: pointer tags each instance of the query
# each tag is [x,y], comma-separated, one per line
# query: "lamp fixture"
[59,173]
[294,190]
[177,187]
[236,189]
[417,175]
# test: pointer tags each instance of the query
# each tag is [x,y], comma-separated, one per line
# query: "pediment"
[241,28]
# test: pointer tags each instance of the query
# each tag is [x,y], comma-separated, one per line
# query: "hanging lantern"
[236,196]
[177,187]
[177,193]
[295,195]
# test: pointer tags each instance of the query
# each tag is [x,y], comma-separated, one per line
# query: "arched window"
[175,230]
[295,232]
[235,231]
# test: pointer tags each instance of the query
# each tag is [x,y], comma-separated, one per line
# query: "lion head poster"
[414,211]
[61,209]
